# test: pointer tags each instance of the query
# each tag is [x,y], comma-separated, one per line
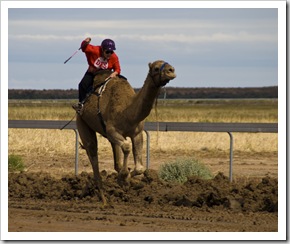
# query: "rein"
[156,100]
[99,94]
[68,122]
[102,88]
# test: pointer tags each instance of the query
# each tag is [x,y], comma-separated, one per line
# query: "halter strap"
[160,70]
[162,67]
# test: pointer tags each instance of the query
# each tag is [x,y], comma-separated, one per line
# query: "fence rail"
[157,126]
[161,126]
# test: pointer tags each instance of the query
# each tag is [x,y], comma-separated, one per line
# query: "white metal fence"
[157,126]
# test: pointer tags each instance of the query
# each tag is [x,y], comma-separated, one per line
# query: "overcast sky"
[209,47]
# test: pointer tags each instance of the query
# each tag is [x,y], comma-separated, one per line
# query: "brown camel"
[117,112]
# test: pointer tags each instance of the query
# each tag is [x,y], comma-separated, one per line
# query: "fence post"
[166,126]
[147,149]
[231,156]
[76,151]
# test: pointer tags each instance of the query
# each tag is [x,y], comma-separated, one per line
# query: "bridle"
[159,73]
[161,68]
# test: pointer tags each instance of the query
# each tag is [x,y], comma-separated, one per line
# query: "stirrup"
[78,107]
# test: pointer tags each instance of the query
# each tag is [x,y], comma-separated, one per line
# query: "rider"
[99,58]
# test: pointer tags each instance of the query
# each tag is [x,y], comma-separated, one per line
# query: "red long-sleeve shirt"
[97,62]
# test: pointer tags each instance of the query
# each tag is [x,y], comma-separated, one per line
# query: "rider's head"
[108,45]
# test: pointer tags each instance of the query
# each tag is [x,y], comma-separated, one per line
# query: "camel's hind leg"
[137,143]
[90,143]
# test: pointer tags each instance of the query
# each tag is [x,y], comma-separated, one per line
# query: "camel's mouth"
[170,73]
[169,76]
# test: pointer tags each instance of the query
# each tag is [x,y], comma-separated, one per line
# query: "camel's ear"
[149,65]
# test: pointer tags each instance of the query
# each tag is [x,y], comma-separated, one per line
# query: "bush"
[181,169]
[15,163]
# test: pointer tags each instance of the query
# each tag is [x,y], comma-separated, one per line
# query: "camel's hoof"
[137,172]
[124,178]
[124,183]
[124,174]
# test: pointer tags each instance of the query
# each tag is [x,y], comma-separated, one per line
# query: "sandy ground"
[48,197]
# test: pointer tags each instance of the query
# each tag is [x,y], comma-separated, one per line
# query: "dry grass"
[35,143]
[226,110]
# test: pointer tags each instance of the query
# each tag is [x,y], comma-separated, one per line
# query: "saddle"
[99,87]
[100,77]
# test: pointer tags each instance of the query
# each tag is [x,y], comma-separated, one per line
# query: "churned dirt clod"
[164,206]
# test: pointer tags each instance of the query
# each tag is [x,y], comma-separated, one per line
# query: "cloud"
[190,39]
[176,38]
[210,38]
[30,37]
[186,31]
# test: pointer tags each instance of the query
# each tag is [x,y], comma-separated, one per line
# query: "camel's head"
[161,72]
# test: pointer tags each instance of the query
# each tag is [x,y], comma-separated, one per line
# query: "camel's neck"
[144,100]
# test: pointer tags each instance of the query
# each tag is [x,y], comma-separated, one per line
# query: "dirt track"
[42,202]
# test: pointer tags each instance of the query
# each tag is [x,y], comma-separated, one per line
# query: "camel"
[116,112]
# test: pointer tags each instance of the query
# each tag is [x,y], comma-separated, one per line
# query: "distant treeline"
[168,92]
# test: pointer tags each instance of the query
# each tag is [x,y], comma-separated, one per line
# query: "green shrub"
[15,163]
[181,169]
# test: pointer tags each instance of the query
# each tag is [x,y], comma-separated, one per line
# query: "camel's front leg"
[137,143]
[95,164]
[116,138]
[90,144]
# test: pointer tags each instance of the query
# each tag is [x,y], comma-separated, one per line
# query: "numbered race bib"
[101,63]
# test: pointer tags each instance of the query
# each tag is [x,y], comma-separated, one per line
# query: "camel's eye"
[156,69]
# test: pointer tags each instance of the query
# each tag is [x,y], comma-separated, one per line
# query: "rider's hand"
[88,40]
[85,43]
[114,74]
